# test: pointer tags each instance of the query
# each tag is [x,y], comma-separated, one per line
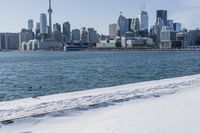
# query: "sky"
[94,13]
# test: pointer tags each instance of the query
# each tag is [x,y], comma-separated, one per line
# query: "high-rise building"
[66,32]
[112,30]
[129,21]
[57,32]
[37,31]
[144,20]
[158,28]
[92,35]
[76,36]
[170,23]
[25,36]
[163,15]
[84,35]
[177,27]
[43,24]
[2,41]
[167,39]
[9,41]
[56,27]
[30,24]
[50,11]
[122,26]
[135,26]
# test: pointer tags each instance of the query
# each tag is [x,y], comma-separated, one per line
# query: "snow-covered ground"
[164,106]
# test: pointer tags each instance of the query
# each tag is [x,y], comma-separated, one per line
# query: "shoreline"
[105,49]
[133,49]
[28,107]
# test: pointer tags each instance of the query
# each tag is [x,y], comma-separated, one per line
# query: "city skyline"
[90,13]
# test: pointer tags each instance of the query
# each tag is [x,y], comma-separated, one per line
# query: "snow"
[164,106]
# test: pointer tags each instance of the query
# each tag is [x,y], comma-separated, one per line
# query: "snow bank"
[97,97]
[178,113]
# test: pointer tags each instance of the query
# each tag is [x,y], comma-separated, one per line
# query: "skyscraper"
[112,30]
[144,20]
[129,21]
[122,26]
[43,24]
[158,29]
[135,26]
[84,35]
[30,24]
[76,36]
[170,23]
[177,27]
[57,32]
[37,31]
[56,27]
[66,32]
[50,11]
[163,15]
[92,35]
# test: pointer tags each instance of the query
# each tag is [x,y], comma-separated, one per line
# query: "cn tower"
[50,11]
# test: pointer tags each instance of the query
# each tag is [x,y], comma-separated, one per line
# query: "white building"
[43,24]
[106,44]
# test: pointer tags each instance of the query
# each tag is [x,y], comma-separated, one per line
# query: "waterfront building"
[177,27]
[84,35]
[66,32]
[25,36]
[182,38]
[122,26]
[140,42]
[112,30]
[106,44]
[92,36]
[43,24]
[30,24]
[9,41]
[162,14]
[193,38]
[76,36]
[167,39]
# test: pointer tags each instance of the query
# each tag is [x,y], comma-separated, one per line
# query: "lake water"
[28,74]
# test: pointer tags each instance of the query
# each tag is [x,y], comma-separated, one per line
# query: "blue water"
[28,74]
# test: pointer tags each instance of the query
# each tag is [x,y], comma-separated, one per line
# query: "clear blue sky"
[94,13]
